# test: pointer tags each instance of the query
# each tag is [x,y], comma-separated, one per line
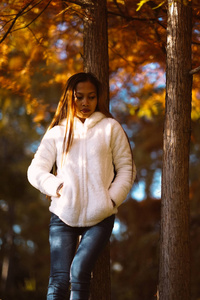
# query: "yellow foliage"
[30,284]
[36,10]
[16,63]
[31,106]
[141,3]
[52,30]
[195,113]
[31,59]
[152,106]
[159,4]
[3,54]
[62,78]
[145,112]
[120,1]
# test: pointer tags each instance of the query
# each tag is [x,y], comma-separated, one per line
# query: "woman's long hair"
[66,105]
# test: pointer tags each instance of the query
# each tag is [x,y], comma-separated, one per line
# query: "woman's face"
[85,99]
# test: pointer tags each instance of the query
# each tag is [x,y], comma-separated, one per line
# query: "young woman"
[94,173]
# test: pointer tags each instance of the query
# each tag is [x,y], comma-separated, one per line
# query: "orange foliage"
[48,48]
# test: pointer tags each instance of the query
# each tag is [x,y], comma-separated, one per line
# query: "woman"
[94,173]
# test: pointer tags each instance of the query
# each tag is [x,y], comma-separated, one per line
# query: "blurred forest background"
[41,46]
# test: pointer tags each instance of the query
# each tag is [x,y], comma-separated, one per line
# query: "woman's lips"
[85,110]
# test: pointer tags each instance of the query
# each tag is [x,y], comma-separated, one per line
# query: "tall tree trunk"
[95,43]
[174,277]
[7,283]
[95,46]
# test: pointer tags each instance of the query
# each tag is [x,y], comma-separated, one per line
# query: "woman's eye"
[79,97]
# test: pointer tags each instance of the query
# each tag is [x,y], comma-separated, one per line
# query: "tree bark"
[95,43]
[95,55]
[174,277]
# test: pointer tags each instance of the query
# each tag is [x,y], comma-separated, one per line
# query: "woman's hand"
[59,190]
[113,202]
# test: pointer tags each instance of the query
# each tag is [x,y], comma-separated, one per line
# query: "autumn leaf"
[141,3]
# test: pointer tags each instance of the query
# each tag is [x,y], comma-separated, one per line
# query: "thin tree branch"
[15,19]
[195,43]
[129,18]
[34,18]
[35,37]
[118,7]
[82,3]
[194,71]
[12,15]
[70,8]
[6,22]
[25,12]
[32,7]
[121,56]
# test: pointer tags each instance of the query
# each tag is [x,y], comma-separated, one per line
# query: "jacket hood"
[89,122]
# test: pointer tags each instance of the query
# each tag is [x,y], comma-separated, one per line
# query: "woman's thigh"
[93,240]
[63,243]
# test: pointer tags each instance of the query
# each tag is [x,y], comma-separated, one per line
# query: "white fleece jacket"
[100,146]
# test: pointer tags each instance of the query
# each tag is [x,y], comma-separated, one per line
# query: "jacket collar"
[89,122]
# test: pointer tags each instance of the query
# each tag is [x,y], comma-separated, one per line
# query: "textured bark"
[95,54]
[174,277]
[95,43]
[100,287]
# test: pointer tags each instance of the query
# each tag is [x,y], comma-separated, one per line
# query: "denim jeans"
[72,265]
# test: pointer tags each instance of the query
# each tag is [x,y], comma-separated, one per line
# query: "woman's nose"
[85,101]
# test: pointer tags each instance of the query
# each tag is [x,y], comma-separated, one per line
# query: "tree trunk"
[7,278]
[95,53]
[174,277]
[95,43]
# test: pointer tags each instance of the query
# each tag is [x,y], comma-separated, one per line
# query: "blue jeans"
[72,265]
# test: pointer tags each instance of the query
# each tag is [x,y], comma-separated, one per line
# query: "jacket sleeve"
[39,170]
[123,163]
